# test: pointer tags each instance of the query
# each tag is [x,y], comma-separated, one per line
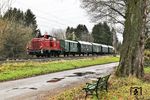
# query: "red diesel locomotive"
[44,46]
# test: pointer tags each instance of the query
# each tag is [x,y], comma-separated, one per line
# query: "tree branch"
[116,11]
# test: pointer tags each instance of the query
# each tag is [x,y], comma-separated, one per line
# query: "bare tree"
[4,5]
[107,10]
[58,33]
[134,15]
[14,38]
[87,37]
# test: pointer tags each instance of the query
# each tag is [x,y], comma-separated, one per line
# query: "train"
[47,46]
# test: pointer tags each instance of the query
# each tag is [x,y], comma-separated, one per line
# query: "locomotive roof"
[83,42]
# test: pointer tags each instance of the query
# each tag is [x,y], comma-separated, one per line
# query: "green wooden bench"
[99,85]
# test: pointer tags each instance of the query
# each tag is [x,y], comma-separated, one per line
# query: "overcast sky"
[56,14]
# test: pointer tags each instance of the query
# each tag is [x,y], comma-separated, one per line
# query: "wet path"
[33,88]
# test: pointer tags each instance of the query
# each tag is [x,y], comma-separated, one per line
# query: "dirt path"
[37,88]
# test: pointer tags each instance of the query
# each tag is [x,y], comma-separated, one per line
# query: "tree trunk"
[132,51]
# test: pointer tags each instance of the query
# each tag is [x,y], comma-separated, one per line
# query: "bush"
[147,57]
[147,43]
[13,39]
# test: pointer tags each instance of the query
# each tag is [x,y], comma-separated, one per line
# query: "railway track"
[44,59]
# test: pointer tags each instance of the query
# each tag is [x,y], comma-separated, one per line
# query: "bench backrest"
[102,81]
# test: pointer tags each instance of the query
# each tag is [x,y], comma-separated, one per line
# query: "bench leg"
[86,95]
[106,87]
[97,94]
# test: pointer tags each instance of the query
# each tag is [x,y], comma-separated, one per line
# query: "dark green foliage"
[70,29]
[81,30]
[38,33]
[147,45]
[102,34]
[70,35]
[27,19]
[15,15]
[76,33]
[30,19]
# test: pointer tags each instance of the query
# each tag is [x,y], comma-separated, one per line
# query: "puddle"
[90,72]
[98,69]
[99,73]
[81,74]
[55,80]
[19,88]
[15,88]
[33,88]
[71,76]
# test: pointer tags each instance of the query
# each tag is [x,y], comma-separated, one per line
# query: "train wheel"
[55,54]
[38,56]
[49,55]
[42,55]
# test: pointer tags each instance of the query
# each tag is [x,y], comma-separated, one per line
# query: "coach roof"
[70,41]
[97,44]
[110,46]
[104,45]
[83,42]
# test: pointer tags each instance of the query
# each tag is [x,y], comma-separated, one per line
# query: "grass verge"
[119,89]
[147,70]
[12,71]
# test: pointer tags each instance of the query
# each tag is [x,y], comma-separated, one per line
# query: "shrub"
[13,38]
[147,57]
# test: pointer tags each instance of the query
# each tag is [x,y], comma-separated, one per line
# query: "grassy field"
[147,69]
[119,89]
[12,71]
